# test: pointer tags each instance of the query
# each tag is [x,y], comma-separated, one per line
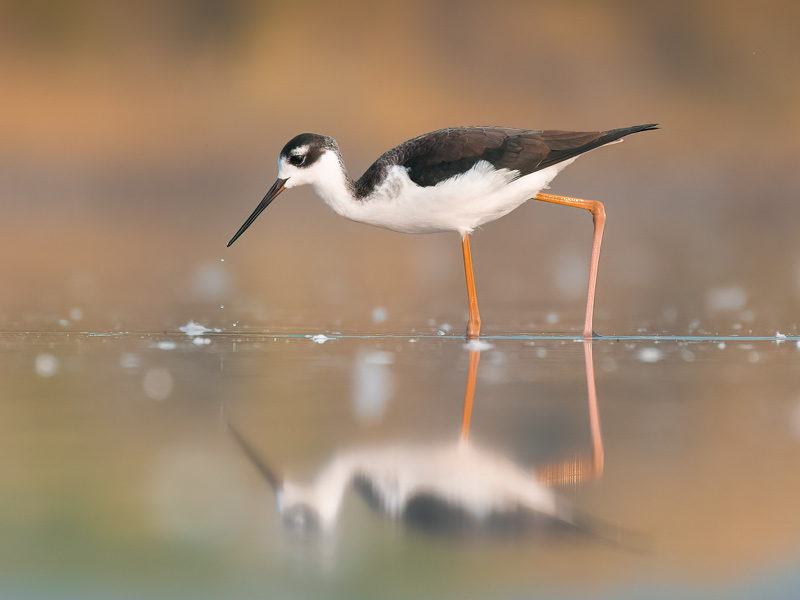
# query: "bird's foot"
[473,330]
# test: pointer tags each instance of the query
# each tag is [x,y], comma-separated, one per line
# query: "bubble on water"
[446,327]
[649,355]
[46,364]
[552,318]
[478,345]
[210,281]
[76,314]
[732,297]
[158,383]
[129,360]
[192,329]
[201,341]
[608,365]
[166,345]
[379,314]
[721,345]
[319,338]
[373,385]
[379,357]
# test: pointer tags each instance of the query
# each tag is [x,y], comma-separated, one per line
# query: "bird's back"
[440,155]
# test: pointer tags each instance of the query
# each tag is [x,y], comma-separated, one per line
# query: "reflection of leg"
[577,469]
[474,357]
[474,325]
[598,454]
[599,216]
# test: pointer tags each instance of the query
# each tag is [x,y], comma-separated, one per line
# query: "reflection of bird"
[446,488]
[449,180]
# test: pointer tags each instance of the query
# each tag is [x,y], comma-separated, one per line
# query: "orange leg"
[599,215]
[474,324]
[474,357]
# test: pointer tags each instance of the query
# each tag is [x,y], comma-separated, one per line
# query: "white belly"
[479,196]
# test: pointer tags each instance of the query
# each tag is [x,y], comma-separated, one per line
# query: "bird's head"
[306,158]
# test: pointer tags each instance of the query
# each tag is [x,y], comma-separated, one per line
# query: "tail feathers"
[563,145]
[616,134]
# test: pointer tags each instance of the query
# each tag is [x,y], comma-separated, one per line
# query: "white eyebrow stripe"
[299,150]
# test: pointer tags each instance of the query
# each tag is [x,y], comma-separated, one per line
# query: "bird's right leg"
[599,217]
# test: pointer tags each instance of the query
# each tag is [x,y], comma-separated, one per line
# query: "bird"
[449,180]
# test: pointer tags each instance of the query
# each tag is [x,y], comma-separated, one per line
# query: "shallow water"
[121,471]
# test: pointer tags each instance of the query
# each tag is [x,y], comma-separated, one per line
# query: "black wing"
[437,156]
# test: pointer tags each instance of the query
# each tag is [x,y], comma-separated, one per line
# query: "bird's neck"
[336,188]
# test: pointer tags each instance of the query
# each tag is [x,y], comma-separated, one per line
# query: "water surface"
[121,472]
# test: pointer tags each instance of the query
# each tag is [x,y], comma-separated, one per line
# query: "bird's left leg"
[599,214]
[474,324]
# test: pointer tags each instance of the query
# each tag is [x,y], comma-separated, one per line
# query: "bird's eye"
[297,159]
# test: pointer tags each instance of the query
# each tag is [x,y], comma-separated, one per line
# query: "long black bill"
[273,479]
[273,192]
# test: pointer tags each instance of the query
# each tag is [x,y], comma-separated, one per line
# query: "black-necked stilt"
[449,180]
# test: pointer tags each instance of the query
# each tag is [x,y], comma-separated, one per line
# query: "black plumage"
[440,155]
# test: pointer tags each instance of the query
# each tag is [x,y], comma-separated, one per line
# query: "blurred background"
[138,136]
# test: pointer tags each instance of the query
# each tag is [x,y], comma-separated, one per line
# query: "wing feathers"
[437,156]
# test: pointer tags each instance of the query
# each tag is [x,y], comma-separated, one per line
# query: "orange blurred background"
[137,137]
